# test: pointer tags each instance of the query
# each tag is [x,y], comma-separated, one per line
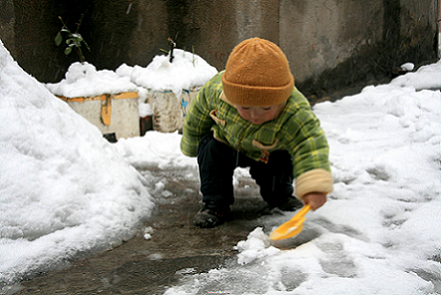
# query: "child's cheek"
[243,114]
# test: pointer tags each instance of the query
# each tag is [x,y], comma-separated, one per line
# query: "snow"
[187,70]
[425,77]
[83,80]
[66,191]
[407,66]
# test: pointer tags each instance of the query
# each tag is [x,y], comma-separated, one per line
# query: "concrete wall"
[336,42]
[319,35]
[330,44]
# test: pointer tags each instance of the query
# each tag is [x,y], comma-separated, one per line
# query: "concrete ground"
[141,266]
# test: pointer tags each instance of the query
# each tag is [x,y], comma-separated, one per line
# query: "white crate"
[111,113]
[168,110]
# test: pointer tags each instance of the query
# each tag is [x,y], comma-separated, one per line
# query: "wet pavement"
[176,247]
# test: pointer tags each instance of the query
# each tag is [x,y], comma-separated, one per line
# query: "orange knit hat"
[257,74]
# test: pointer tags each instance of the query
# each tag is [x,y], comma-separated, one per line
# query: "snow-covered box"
[171,85]
[108,101]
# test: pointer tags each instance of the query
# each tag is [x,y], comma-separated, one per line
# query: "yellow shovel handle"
[303,212]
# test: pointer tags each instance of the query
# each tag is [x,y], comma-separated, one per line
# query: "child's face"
[260,115]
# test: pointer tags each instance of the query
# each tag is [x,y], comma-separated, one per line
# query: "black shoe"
[211,215]
[289,204]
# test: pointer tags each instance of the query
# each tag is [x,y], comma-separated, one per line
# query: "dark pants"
[217,162]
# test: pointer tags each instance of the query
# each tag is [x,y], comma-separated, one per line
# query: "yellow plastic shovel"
[291,227]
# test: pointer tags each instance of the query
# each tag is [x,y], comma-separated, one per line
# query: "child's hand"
[315,200]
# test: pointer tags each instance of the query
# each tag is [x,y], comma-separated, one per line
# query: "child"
[251,115]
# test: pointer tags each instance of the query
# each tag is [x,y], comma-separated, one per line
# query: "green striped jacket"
[296,130]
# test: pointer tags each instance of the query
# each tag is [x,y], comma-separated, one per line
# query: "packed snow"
[66,191]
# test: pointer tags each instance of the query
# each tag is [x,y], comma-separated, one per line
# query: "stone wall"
[330,44]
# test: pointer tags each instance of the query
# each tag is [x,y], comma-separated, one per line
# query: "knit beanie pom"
[257,74]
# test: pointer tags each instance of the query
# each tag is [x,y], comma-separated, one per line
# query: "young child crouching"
[251,115]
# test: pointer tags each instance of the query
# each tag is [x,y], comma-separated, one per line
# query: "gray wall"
[330,44]
[346,42]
